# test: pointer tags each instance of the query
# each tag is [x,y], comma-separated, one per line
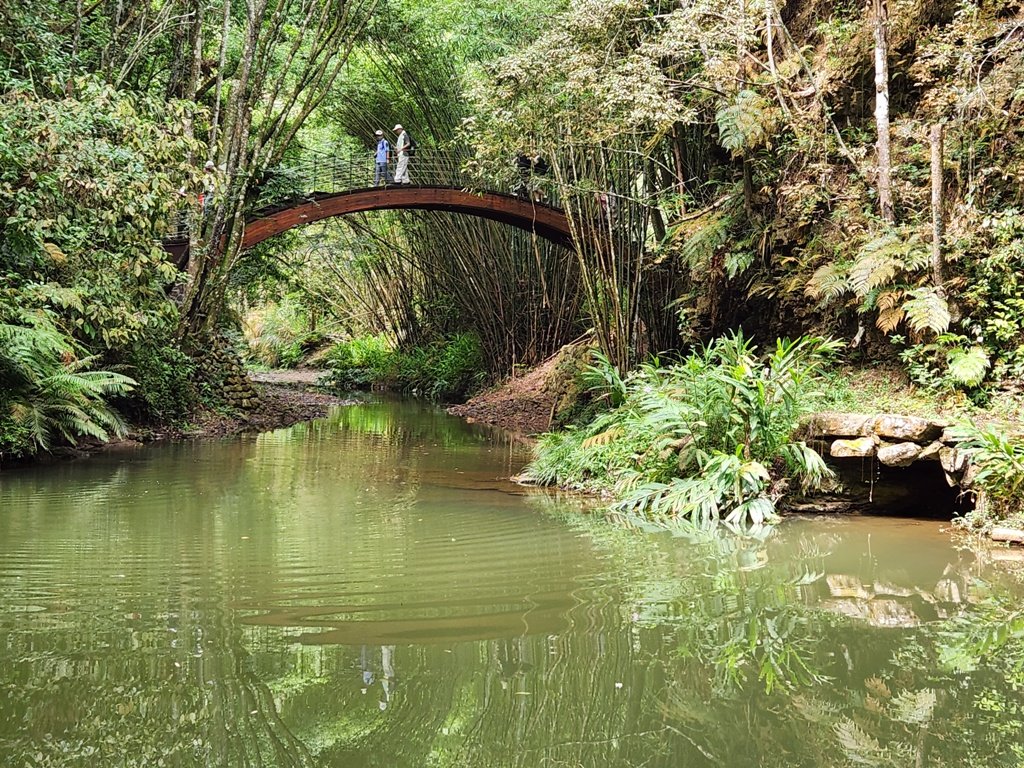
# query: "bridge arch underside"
[547,222]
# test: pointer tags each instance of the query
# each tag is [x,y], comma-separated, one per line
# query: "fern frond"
[968,366]
[860,747]
[889,319]
[914,708]
[742,124]
[872,270]
[889,299]
[828,282]
[602,438]
[927,310]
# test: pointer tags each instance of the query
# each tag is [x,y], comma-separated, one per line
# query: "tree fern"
[927,310]
[742,124]
[968,366]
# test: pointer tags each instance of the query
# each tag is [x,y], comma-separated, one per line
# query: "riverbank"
[536,400]
[531,402]
[892,445]
[286,397]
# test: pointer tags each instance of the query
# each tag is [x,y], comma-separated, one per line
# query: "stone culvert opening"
[889,464]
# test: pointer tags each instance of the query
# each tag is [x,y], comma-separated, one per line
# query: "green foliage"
[743,123]
[87,186]
[48,392]
[968,366]
[706,439]
[997,475]
[603,380]
[448,369]
[166,389]
[927,310]
[362,363]
[278,334]
[949,363]
[88,180]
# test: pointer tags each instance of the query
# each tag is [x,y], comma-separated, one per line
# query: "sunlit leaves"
[743,123]
[997,457]
[696,440]
[927,310]
[968,366]
[91,180]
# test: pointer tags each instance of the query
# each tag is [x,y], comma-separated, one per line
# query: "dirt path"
[297,377]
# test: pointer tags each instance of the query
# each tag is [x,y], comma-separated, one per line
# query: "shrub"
[166,378]
[444,370]
[362,363]
[454,368]
[49,393]
[278,335]
[708,439]
[998,473]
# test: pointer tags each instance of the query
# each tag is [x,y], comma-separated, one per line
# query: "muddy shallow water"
[367,590]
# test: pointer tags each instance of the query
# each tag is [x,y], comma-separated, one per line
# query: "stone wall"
[221,368]
[895,441]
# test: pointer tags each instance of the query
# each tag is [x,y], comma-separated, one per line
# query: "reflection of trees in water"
[717,651]
[522,701]
[768,666]
[177,689]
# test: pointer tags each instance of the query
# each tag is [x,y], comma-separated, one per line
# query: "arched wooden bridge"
[293,196]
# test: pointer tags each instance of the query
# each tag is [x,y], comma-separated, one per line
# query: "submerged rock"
[844,585]
[877,613]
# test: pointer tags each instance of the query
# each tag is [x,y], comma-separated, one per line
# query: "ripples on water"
[368,590]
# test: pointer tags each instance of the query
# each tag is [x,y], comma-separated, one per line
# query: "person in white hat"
[381,160]
[402,148]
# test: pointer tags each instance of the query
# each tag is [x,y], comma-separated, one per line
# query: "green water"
[368,591]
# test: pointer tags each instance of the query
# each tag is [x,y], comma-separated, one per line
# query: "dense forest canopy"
[844,169]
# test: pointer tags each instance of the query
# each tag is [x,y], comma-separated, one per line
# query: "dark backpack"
[411,149]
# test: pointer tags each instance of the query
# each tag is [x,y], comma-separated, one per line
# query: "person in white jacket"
[402,149]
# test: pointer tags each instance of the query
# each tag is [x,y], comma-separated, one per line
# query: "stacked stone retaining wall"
[894,440]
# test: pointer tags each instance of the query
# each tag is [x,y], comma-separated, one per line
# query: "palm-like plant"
[48,391]
[998,477]
[707,440]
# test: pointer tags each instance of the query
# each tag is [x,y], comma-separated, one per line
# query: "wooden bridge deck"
[547,222]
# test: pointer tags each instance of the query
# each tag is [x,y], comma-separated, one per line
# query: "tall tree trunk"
[938,219]
[214,148]
[881,29]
